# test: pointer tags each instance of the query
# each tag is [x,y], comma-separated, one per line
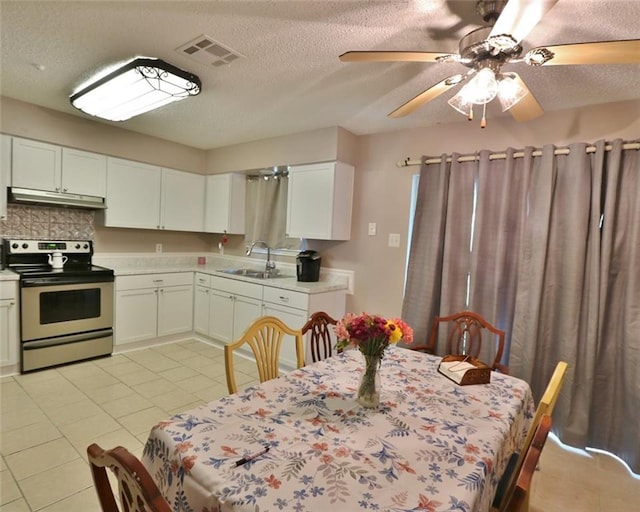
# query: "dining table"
[302,442]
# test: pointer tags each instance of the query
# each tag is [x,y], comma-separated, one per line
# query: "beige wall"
[39,123]
[382,190]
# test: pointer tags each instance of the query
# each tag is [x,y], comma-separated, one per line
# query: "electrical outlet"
[158,247]
[372,228]
[394,239]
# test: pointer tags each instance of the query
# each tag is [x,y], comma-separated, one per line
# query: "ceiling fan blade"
[519,17]
[424,97]
[604,52]
[528,107]
[393,56]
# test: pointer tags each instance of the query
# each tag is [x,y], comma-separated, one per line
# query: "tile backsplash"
[24,221]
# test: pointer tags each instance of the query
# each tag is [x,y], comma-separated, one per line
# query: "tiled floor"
[48,418]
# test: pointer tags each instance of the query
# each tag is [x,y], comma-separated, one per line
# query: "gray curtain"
[555,262]
[266,210]
[579,295]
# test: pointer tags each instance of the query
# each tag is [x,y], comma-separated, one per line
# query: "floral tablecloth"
[432,445]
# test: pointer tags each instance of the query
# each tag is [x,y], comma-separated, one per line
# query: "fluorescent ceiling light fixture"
[137,87]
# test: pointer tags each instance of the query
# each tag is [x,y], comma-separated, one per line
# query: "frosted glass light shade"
[139,86]
[510,92]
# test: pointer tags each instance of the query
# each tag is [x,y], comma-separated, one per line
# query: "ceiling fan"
[486,49]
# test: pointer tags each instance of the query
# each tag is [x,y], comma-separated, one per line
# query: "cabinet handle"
[64,189]
[57,189]
[158,280]
[283,299]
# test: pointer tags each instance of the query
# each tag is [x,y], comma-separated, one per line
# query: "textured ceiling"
[290,79]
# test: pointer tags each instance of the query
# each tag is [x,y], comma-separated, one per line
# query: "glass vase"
[369,389]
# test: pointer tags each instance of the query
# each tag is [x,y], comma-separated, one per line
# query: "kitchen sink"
[250,272]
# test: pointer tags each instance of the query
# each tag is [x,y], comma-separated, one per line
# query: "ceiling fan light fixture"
[482,88]
[140,85]
[510,92]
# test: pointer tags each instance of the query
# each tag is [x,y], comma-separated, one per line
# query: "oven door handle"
[32,282]
[63,340]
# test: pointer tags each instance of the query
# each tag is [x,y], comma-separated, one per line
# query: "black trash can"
[308,266]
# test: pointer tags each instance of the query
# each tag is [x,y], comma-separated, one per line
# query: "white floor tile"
[40,458]
[51,486]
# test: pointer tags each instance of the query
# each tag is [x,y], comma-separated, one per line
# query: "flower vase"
[369,389]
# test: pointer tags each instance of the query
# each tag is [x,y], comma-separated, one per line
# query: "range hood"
[29,196]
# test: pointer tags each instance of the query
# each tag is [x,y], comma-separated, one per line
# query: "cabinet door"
[295,319]
[84,173]
[201,310]
[8,332]
[5,173]
[319,201]
[182,201]
[136,315]
[246,310]
[133,195]
[224,203]
[36,165]
[221,316]
[175,309]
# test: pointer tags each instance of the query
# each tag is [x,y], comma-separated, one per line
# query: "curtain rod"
[501,156]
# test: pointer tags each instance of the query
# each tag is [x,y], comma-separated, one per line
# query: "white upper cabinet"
[42,166]
[36,165]
[319,201]
[84,173]
[182,201]
[149,197]
[5,173]
[133,195]
[224,203]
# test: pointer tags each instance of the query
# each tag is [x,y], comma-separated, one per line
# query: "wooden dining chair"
[518,496]
[466,330]
[264,336]
[545,407]
[320,340]
[137,492]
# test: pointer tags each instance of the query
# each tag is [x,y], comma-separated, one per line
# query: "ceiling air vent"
[208,51]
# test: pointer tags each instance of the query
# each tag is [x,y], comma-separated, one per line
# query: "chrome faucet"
[271,265]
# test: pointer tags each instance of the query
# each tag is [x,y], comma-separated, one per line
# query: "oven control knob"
[14,245]
[77,246]
[25,245]
[86,246]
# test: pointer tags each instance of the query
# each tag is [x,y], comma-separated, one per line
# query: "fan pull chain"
[470,112]
[483,122]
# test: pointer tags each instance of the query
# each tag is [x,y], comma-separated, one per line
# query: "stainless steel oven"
[66,314]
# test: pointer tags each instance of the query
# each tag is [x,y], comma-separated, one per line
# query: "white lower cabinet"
[9,323]
[225,307]
[153,305]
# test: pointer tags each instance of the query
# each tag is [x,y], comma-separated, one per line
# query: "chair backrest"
[517,499]
[320,339]
[264,336]
[137,492]
[545,407]
[466,330]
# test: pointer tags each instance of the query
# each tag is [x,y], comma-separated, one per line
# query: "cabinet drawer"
[203,279]
[153,280]
[7,290]
[286,297]
[236,287]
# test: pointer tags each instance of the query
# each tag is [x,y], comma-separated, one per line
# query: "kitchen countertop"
[127,266]
[8,275]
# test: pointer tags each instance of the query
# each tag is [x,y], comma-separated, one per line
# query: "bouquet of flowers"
[371,334]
